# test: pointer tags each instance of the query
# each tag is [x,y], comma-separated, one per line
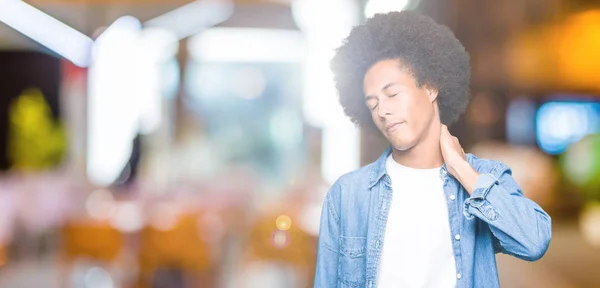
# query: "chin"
[401,141]
[402,145]
[402,148]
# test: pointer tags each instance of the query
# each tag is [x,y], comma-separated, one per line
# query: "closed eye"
[371,102]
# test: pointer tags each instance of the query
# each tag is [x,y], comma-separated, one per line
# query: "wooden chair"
[178,247]
[97,241]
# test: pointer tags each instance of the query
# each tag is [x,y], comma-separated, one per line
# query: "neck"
[426,154]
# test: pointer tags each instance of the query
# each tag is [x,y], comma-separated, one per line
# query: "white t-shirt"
[417,249]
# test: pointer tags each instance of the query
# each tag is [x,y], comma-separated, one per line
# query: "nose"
[383,110]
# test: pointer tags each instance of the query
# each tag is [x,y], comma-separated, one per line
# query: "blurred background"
[178,143]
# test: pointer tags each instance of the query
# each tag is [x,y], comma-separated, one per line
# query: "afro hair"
[428,50]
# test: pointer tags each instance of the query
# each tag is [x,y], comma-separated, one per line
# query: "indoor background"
[177,143]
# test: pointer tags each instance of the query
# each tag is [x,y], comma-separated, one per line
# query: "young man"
[424,214]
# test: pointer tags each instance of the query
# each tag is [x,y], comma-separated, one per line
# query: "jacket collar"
[379,167]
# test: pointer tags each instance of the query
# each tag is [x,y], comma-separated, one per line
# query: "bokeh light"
[280,239]
[100,204]
[581,165]
[589,223]
[128,217]
[559,124]
[283,222]
[165,216]
[309,219]
[97,277]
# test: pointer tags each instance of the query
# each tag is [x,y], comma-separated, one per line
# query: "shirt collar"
[379,168]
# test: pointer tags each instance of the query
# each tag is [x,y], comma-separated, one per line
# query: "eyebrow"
[388,86]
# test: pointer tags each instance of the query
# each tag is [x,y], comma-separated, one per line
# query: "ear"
[432,92]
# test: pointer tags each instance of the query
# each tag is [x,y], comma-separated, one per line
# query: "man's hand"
[456,161]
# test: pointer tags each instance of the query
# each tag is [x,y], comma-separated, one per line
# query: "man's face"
[400,109]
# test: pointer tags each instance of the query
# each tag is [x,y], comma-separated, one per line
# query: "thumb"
[444,129]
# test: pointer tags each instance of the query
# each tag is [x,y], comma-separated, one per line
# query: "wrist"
[466,175]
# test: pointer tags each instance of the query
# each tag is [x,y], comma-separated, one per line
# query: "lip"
[390,126]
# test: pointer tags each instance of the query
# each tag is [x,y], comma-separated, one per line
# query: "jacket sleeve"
[521,227]
[328,248]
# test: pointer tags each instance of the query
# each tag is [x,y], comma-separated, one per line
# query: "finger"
[444,130]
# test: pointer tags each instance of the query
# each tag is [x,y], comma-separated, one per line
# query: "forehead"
[386,72]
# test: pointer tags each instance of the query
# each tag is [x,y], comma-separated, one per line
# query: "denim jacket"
[495,218]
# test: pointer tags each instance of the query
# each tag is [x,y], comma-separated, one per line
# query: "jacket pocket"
[352,266]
